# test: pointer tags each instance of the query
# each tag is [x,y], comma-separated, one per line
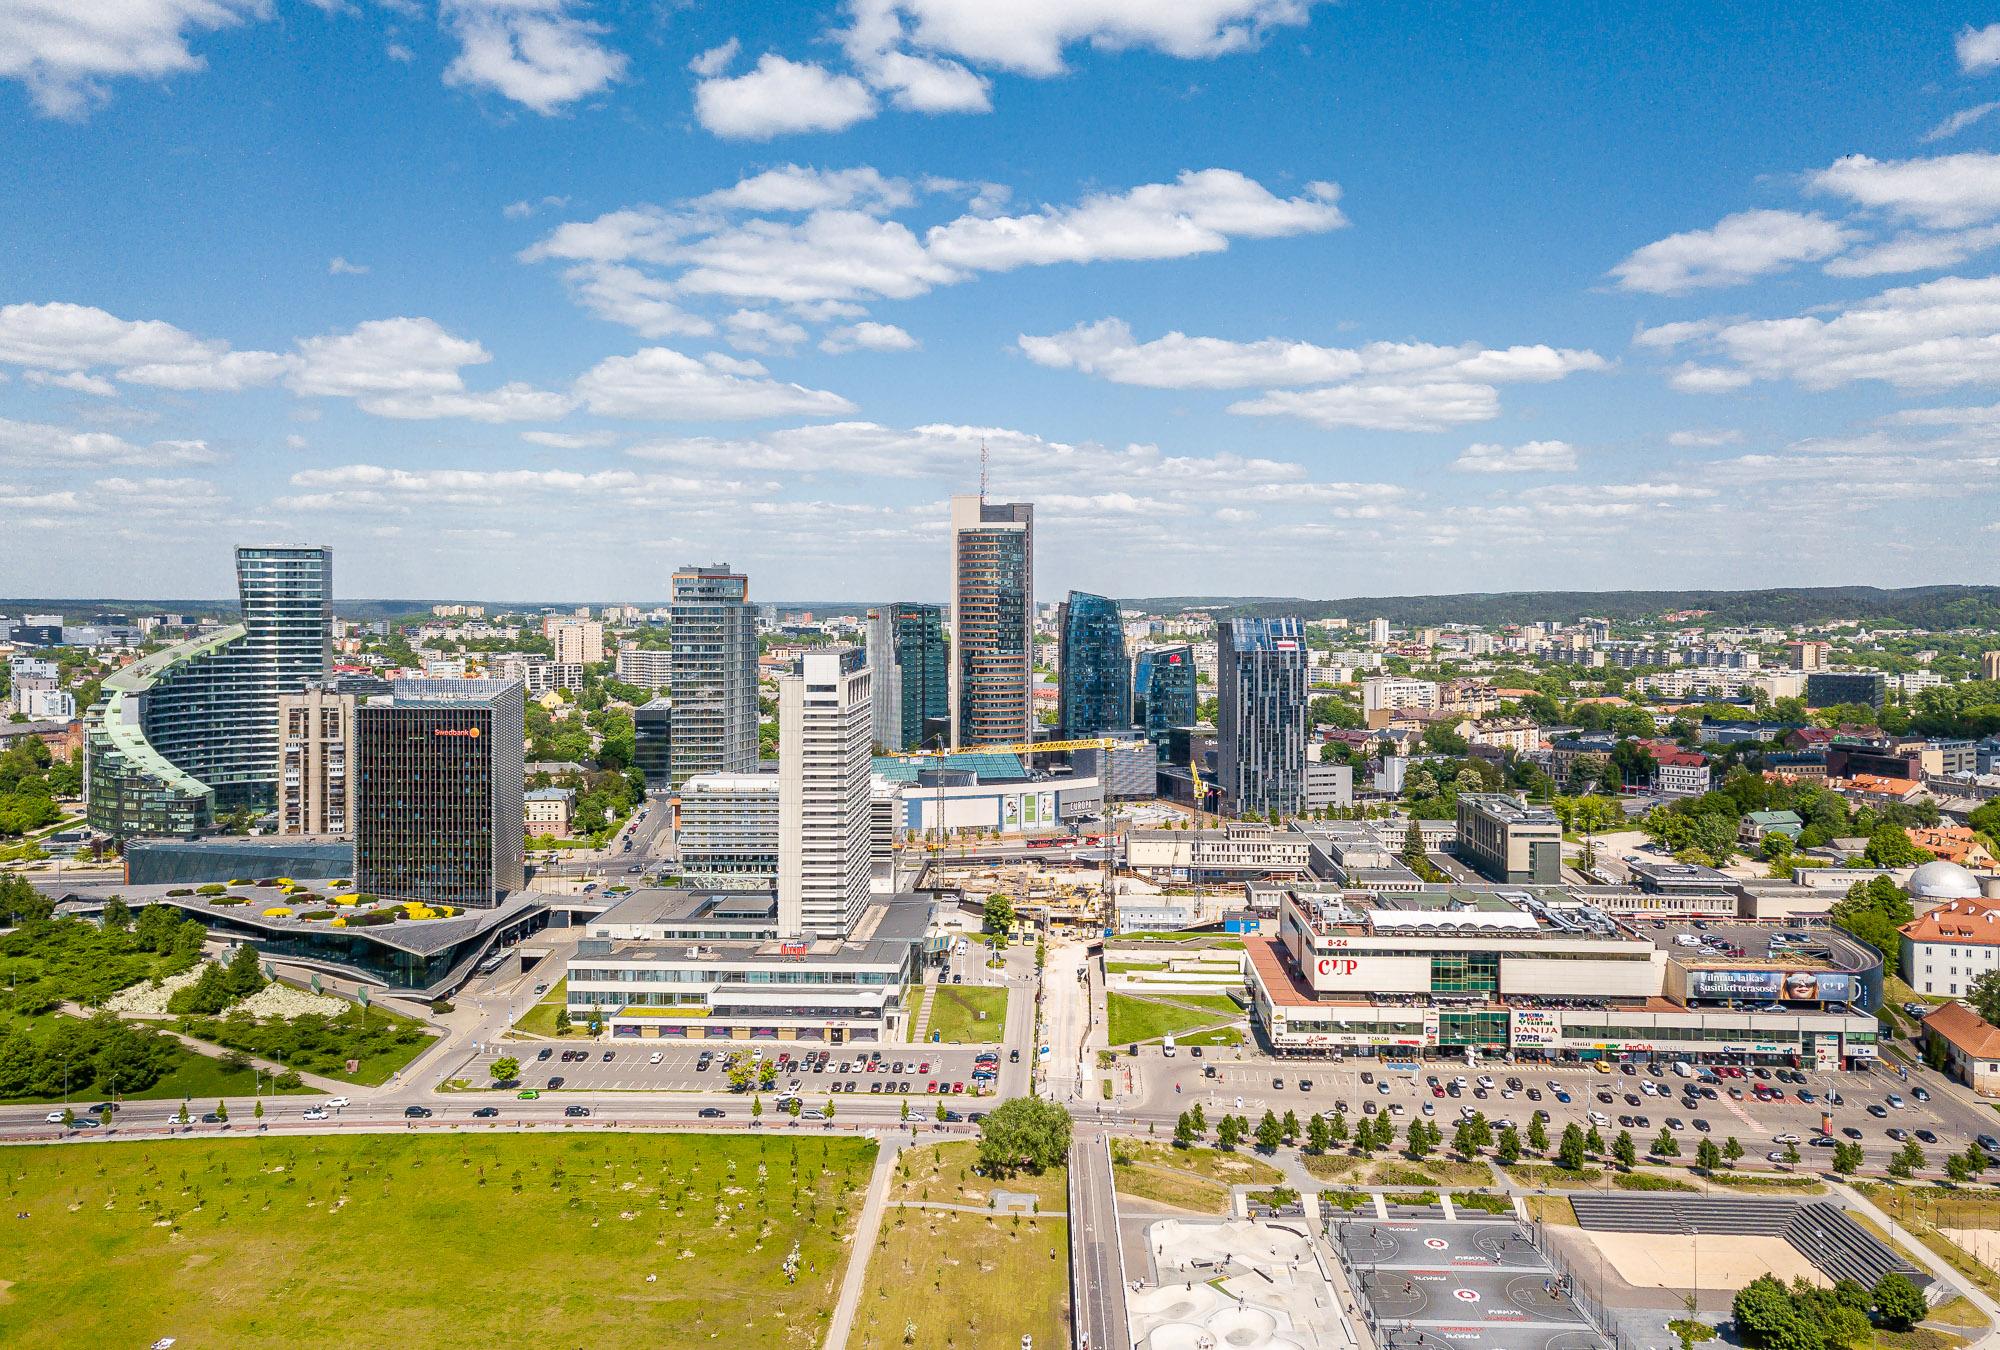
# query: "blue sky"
[540,298]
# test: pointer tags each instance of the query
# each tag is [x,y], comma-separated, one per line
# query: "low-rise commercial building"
[1525,975]
[547,811]
[1239,851]
[1971,1046]
[1505,839]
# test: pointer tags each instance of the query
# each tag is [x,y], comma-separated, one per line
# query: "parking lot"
[1250,1085]
[914,1070]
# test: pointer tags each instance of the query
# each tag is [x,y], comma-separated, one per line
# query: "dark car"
[545,1053]
[953,1115]
[102,1107]
[575,1111]
[1700,1124]
[1926,1136]
[416,1113]
[486,1112]
[1534,1094]
[1305,1085]
[607,1055]
[557,1081]
[211,1118]
[1369,1078]
[711,1113]
[1877,1110]
[1278,1083]
[1014,1056]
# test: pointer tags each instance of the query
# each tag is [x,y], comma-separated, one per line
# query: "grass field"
[1170,1188]
[955,1013]
[1230,1169]
[1130,1018]
[438,1242]
[540,1020]
[193,1075]
[1218,1036]
[968,1281]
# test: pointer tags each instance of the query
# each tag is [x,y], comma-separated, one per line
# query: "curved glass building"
[1094,689]
[178,735]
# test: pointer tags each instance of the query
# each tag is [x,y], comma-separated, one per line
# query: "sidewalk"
[866,1230]
[1930,1260]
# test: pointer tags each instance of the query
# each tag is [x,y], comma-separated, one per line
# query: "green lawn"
[955,1010]
[540,1020]
[382,1043]
[434,1241]
[1219,1036]
[186,1073]
[1131,1018]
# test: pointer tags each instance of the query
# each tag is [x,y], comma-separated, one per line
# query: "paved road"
[1067,1011]
[1095,1265]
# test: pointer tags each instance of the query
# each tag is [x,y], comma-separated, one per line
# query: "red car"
[1437,1092]
[958,1087]
[931,1086]
[924,1067]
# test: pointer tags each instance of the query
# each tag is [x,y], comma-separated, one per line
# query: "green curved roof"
[127,737]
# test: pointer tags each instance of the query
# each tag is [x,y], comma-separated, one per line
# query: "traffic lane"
[631,1068]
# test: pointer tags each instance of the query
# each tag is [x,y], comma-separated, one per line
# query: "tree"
[506,1067]
[1538,1135]
[1509,1148]
[1766,1314]
[827,1110]
[1593,1143]
[999,913]
[1707,1156]
[1200,1119]
[1957,1168]
[1023,1134]
[1317,1134]
[1290,1126]
[1269,1132]
[1184,1135]
[906,1108]
[1228,1134]
[1336,1129]
[256,1112]
[756,1107]
[1666,1146]
[563,1024]
[1898,1302]
[1910,1158]
[1571,1154]
[1984,996]
[117,914]
[1732,1150]
[243,976]
[1890,846]
[1846,1158]
[1418,1139]
[1791,1155]
[222,1111]
[1624,1151]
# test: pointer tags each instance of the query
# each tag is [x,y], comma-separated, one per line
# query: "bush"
[211,888]
[313,915]
[181,890]
[441,1005]
[372,919]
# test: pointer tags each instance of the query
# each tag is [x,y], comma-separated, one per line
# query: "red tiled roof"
[1974,922]
[1965,1029]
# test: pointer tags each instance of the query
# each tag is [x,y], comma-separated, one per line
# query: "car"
[1806,1096]
[53,1118]
[1676,1123]
[211,1118]
[1368,1077]
[1921,1094]
[1466,1113]
[1608,1099]
[317,1113]
[1775,1155]
[1278,1084]
[527,1094]
[958,1089]
[1823,1141]
[1305,1085]
[1700,1124]
[556,1081]
[576,1112]
[853,1085]
[1382,1089]
[1625,1122]
[416,1113]
[1485,1081]
[897,1067]
[1541,1114]
[1989,1143]
[1437,1092]
[875,1087]
[1850,1132]
[1563,1097]
[657,1056]
[545,1053]
[608,1055]
[1430,1108]
[1014,1057]
[1786,1138]
[1514,1083]
[1736,1094]
[335,1103]
[1925,1136]
[1895,1132]
[1599,1118]
[1338,1108]
[931,1086]
[1895,1101]
[486,1113]
[1367,1108]
[1877,1110]
[1534,1094]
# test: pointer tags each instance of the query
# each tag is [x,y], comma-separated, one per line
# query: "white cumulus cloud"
[65,50]
[409,368]
[67,337]
[867,336]
[1532,457]
[533,52]
[1737,249]
[1942,191]
[1979,49]
[780,96]
[659,382]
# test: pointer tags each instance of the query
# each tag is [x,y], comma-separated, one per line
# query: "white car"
[1239,1103]
[657,1057]
[1599,1119]
[53,1118]
[1895,1101]
[336,1103]
[318,1113]
[1786,1138]
[1486,1081]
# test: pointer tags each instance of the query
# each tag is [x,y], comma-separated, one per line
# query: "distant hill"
[1909,607]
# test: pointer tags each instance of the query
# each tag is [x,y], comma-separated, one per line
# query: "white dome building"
[1942,880]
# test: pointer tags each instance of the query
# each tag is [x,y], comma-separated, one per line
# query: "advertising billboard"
[1048,805]
[1796,986]
[1535,1028]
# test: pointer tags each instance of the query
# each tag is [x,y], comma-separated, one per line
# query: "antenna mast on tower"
[982,471]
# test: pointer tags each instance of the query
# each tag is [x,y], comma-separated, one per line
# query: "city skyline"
[1435,324]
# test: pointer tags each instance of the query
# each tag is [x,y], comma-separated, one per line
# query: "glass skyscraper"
[992,622]
[1094,680]
[191,730]
[1261,731]
[1164,694]
[909,659]
[713,679]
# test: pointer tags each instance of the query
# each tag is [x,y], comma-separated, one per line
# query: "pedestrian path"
[866,1231]
[926,1000]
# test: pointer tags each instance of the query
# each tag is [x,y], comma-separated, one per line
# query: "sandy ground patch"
[1982,1244]
[1728,1261]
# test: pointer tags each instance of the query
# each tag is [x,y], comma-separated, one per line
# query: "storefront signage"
[1337,966]
[1535,1028]
[1796,986]
[470,733]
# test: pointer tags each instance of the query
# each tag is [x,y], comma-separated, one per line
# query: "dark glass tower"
[923,669]
[1094,688]
[1261,741]
[1164,694]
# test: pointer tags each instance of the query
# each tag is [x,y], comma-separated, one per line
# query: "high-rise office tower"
[1261,740]
[714,676]
[181,733]
[439,792]
[823,793]
[908,666]
[653,741]
[992,691]
[1094,680]
[1163,691]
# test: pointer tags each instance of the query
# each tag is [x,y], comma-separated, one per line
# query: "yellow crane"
[1022,748]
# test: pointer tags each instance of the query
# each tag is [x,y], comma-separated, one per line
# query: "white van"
[1167,1046]
[1683,1069]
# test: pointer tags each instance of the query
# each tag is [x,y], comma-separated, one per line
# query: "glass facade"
[652,741]
[1163,694]
[439,811]
[1094,689]
[993,601]
[713,679]
[923,671]
[193,729]
[1261,740]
